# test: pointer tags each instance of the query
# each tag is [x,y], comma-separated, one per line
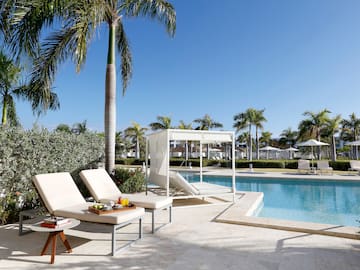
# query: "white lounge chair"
[355,165]
[323,166]
[193,189]
[304,166]
[103,189]
[62,198]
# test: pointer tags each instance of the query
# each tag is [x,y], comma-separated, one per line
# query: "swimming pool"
[325,201]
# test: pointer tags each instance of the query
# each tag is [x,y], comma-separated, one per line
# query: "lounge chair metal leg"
[140,229]
[152,221]
[170,214]
[113,241]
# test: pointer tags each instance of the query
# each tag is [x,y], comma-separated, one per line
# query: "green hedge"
[341,165]
[24,153]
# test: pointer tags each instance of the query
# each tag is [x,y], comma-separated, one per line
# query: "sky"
[286,57]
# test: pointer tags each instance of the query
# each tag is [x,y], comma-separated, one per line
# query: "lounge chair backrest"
[100,184]
[355,164]
[303,164]
[323,164]
[57,190]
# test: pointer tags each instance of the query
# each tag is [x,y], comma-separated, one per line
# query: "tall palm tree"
[206,123]
[80,20]
[333,127]
[246,120]
[350,128]
[258,122]
[137,134]
[288,136]
[164,122]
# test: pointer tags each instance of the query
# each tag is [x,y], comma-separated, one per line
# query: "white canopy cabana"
[158,146]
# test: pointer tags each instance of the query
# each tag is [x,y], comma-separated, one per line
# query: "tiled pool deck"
[194,241]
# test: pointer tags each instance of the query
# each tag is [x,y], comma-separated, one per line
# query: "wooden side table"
[53,233]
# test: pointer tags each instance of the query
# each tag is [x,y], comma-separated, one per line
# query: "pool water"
[331,202]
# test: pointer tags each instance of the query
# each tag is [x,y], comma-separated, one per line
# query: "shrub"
[24,153]
[129,181]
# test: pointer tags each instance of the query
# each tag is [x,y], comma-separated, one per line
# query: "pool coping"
[247,202]
[241,211]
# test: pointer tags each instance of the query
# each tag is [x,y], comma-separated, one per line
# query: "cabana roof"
[204,136]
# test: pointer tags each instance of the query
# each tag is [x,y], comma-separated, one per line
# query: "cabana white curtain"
[158,146]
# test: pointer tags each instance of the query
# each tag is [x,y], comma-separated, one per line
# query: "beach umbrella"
[311,143]
[291,150]
[354,144]
[268,149]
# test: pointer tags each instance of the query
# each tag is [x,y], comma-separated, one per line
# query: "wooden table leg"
[65,241]
[52,238]
[46,244]
[53,251]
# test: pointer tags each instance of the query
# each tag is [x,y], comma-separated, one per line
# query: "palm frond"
[126,59]
[161,10]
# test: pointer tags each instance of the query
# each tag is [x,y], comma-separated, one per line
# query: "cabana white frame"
[203,136]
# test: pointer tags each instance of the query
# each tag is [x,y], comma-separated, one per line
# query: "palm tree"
[350,128]
[265,137]
[80,128]
[164,122]
[183,125]
[206,123]
[63,128]
[288,136]
[246,120]
[314,126]
[244,138]
[9,76]
[258,122]
[80,20]
[332,127]
[136,133]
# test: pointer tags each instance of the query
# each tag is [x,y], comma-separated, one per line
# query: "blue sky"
[283,56]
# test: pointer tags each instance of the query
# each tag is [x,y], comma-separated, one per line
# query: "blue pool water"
[331,202]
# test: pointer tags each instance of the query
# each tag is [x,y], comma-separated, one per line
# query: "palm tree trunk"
[257,144]
[110,103]
[137,154]
[4,112]
[333,148]
[250,144]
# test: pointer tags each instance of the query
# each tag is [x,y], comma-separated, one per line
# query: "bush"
[129,181]
[24,153]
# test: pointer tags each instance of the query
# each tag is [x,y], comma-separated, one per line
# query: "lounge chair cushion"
[103,189]
[58,190]
[100,184]
[81,212]
[146,201]
[207,188]
[178,181]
